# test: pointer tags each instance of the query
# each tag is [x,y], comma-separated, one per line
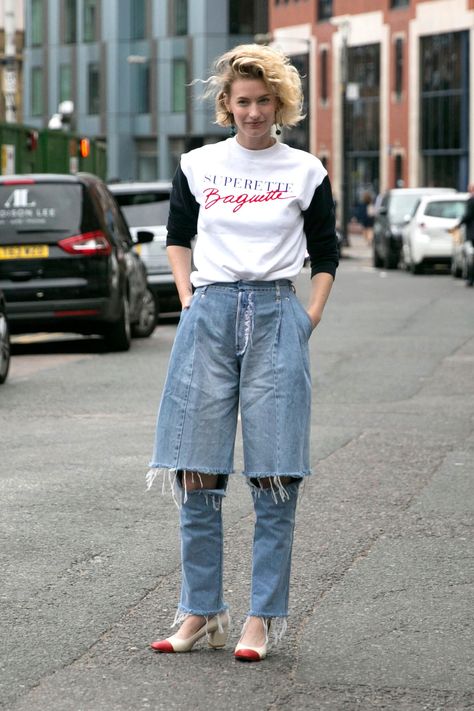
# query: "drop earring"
[277,130]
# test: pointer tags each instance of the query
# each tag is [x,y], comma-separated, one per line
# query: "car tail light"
[20,181]
[88,244]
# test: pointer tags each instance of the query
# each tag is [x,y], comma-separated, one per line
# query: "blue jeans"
[202,551]
[239,345]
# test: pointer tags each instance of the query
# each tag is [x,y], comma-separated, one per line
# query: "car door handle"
[21,276]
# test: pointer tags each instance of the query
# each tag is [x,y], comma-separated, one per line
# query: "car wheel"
[456,270]
[147,317]
[376,259]
[118,335]
[391,261]
[4,348]
[416,268]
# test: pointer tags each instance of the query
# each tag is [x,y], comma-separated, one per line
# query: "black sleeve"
[468,216]
[184,211]
[320,230]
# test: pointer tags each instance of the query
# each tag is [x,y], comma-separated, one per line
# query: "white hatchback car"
[426,237]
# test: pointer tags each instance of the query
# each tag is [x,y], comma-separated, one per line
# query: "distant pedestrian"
[255,205]
[468,221]
[367,214]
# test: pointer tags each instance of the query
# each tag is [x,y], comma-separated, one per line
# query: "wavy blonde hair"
[254,61]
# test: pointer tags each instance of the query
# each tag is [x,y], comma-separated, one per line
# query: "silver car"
[145,206]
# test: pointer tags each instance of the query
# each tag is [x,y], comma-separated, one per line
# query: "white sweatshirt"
[255,212]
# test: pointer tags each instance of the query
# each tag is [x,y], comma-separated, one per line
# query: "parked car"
[67,260]
[146,207]
[4,340]
[393,210]
[426,237]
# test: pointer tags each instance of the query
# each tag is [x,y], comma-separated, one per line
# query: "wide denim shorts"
[239,345]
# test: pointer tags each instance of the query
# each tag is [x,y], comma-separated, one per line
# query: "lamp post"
[343,25]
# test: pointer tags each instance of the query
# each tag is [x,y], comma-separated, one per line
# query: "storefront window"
[444,125]
[362,122]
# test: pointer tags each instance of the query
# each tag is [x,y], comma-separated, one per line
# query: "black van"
[67,261]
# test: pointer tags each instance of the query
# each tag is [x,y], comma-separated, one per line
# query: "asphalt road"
[382,597]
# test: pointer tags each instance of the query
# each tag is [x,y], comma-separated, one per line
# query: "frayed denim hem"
[179,493]
[277,489]
[275,627]
[183,613]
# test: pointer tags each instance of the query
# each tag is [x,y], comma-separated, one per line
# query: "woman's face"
[253,106]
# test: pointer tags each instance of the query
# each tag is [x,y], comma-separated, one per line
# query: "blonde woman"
[255,205]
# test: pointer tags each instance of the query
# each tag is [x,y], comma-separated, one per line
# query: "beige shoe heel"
[217,639]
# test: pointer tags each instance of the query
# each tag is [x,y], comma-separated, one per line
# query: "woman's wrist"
[186,299]
[314,315]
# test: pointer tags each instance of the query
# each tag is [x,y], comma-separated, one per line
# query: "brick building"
[390,89]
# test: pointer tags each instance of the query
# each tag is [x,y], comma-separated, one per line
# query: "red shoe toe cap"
[247,655]
[162,646]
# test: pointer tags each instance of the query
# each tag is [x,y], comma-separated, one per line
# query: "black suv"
[67,260]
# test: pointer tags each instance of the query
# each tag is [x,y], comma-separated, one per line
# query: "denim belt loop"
[278,294]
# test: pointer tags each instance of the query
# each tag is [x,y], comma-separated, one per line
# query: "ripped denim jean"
[240,346]
[202,551]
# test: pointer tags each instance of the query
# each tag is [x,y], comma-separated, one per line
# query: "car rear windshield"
[40,207]
[402,207]
[144,209]
[449,209]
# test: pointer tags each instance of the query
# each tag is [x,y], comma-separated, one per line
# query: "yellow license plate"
[26,251]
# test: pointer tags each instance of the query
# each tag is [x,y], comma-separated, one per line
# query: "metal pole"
[9,62]
[344,135]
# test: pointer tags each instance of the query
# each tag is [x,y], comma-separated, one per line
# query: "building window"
[37,91]
[70,22]
[143,88]
[362,123]
[298,137]
[398,63]
[241,17]
[180,17]
[36,23]
[324,75]
[324,9]
[90,20]
[399,182]
[138,20]
[179,86]
[399,3]
[444,111]
[65,82]
[93,94]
